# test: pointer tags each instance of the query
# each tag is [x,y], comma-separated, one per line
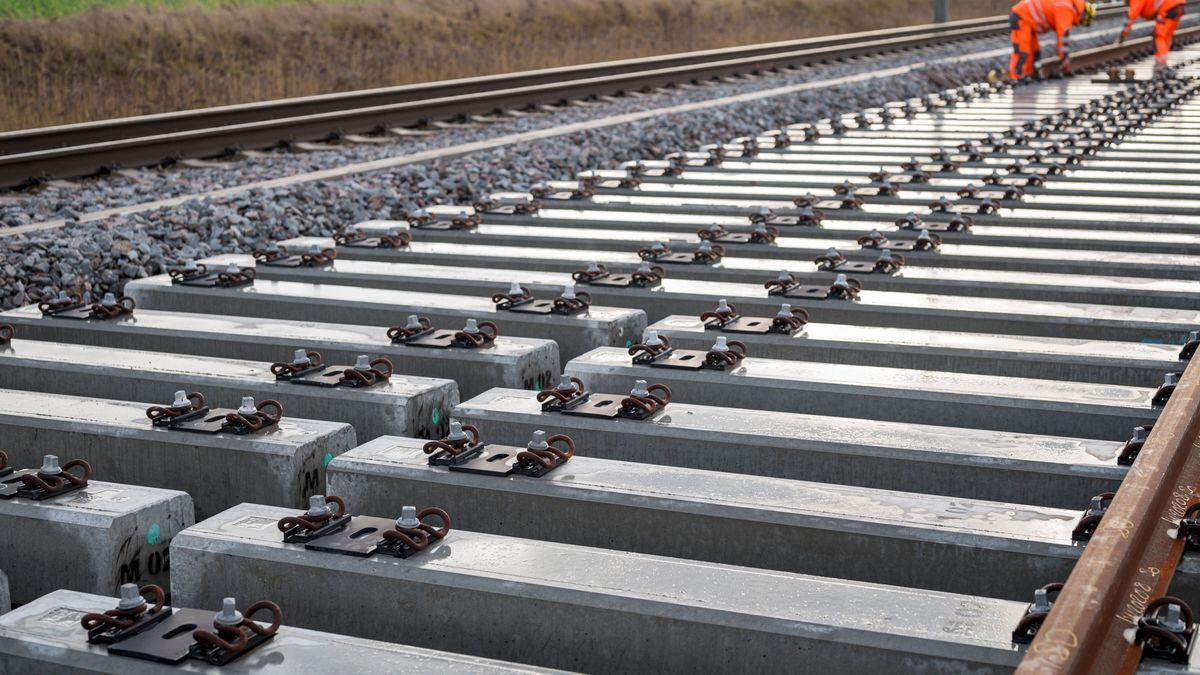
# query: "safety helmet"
[1089,13]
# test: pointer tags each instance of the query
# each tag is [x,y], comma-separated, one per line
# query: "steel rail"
[813,50]
[1098,56]
[81,150]
[1131,558]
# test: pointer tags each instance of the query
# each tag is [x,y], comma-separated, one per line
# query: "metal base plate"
[286,261]
[205,281]
[808,292]
[38,495]
[444,458]
[532,307]
[618,281]
[208,421]
[369,242]
[895,245]
[359,538]
[323,376]
[611,280]
[441,226]
[932,227]
[732,238]
[170,639]
[212,281]
[750,325]
[436,339]
[494,460]
[784,220]
[849,266]
[82,311]
[604,406]
[675,259]
[681,359]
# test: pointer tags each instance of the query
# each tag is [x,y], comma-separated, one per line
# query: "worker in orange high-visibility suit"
[1166,15]
[1031,18]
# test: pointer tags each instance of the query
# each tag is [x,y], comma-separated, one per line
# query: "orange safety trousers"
[1024,41]
[1166,15]
[1164,31]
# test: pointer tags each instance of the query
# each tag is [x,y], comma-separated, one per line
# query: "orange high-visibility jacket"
[1059,16]
[1150,10]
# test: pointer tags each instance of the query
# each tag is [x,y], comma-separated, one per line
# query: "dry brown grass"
[111,63]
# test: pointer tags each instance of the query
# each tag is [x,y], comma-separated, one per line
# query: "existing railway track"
[84,149]
[963,399]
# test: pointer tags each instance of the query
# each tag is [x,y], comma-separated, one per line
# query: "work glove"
[1124,36]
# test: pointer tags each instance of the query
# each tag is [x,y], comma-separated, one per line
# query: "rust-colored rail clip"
[251,417]
[652,347]
[367,372]
[131,616]
[1090,520]
[234,276]
[412,534]
[645,400]
[324,515]
[542,455]
[1036,613]
[1164,391]
[234,634]
[570,392]
[185,404]
[1188,528]
[1166,630]
[1185,353]
[462,443]
[516,296]
[414,327]
[190,273]
[7,333]
[1131,448]
[477,334]
[725,353]
[807,213]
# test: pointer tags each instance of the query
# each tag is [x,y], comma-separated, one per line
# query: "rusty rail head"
[1131,557]
[1098,56]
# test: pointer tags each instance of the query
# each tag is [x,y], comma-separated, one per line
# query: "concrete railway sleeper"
[907,274]
[828,530]
[869,308]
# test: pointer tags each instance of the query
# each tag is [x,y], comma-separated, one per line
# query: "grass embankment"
[133,57]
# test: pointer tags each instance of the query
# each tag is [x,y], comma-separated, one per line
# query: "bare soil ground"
[115,62]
